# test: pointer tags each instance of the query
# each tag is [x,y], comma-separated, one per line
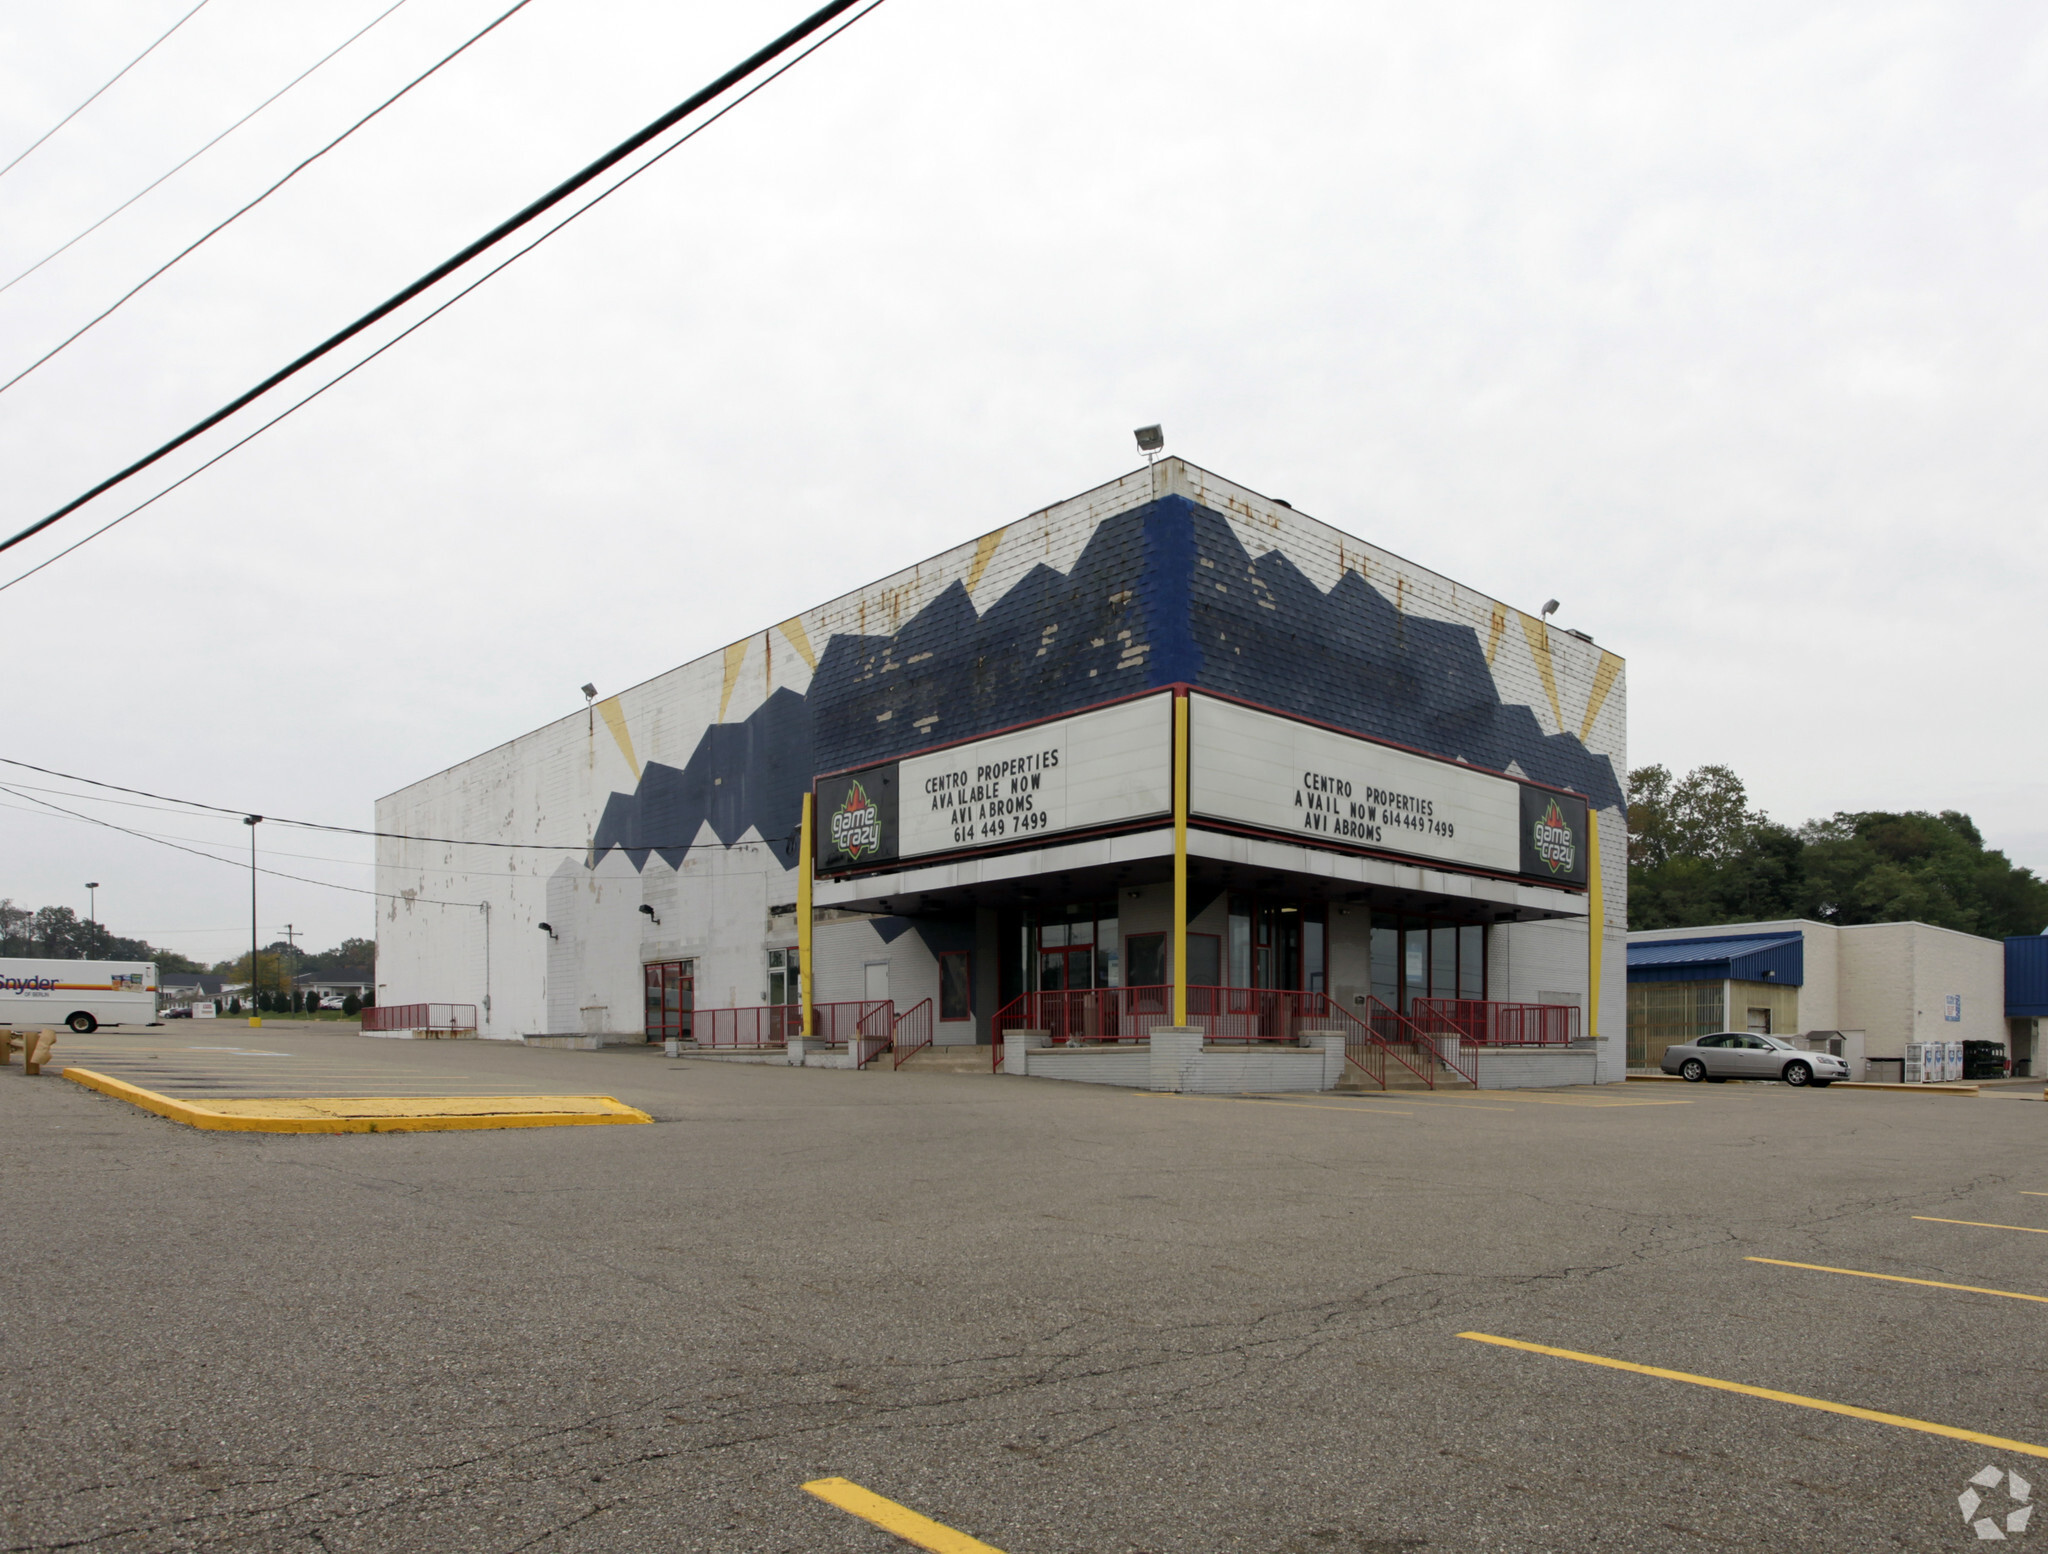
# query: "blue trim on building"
[1161,594]
[2026,977]
[1766,957]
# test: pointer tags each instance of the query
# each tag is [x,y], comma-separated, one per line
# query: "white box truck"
[83,994]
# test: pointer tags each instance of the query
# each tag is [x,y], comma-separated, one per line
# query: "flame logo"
[1553,840]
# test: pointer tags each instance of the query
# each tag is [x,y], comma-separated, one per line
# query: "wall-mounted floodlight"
[1150,440]
[644,907]
[590,693]
[1549,609]
[549,930]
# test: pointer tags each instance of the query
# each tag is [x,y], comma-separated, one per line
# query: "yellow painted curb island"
[1838,1084]
[367,1114]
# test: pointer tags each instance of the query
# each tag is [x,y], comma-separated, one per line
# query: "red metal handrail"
[420,1017]
[912,1032]
[1395,1029]
[1491,1023]
[1235,1014]
[873,1033]
[1222,1014]
[772,1025]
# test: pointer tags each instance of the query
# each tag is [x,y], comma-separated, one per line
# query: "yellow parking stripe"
[1897,1278]
[1902,1421]
[1252,1100]
[1934,1219]
[898,1519]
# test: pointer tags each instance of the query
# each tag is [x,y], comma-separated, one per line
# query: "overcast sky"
[1723,324]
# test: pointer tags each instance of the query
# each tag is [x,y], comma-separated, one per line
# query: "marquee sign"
[1247,769]
[1315,785]
[1095,769]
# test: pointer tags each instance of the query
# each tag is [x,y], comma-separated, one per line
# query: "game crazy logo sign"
[855,819]
[857,824]
[1554,836]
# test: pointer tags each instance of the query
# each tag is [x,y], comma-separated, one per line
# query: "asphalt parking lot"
[1053,1317]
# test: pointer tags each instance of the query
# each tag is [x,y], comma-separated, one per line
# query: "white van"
[83,994]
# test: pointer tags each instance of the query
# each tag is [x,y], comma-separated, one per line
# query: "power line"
[23,791]
[236,863]
[222,226]
[447,267]
[294,408]
[316,825]
[195,156]
[75,112]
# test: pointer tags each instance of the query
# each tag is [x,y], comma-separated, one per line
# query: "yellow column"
[1596,924]
[1180,858]
[803,915]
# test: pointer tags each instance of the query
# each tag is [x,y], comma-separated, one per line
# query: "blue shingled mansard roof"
[1764,957]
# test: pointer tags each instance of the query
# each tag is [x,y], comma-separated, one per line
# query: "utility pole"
[255,1010]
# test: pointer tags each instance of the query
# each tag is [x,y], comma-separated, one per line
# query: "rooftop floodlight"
[1150,440]
[1549,609]
[590,693]
[644,907]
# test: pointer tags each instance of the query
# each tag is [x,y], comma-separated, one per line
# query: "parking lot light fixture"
[255,1009]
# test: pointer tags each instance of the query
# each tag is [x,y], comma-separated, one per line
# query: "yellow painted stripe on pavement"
[1798,1400]
[365,1114]
[898,1519]
[1898,1278]
[1935,1219]
[1252,1100]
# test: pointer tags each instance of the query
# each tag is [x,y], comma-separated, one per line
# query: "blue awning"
[1771,957]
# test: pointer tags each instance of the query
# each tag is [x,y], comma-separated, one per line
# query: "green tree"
[1700,854]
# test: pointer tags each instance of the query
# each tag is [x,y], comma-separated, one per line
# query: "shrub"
[351,1005]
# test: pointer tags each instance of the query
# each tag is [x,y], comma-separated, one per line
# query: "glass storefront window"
[1148,959]
[1240,944]
[1108,964]
[956,986]
[785,979]
[1386,958]
[1471,961]
[1414,960]
[1443,961]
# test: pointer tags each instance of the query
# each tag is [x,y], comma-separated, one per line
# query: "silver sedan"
[1740,1055]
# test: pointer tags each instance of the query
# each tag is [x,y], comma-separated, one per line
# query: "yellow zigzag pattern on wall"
[793,628]
[1494,631]
[984,553]
[615,720]
[1538,635]
[735,660]
[1603,682]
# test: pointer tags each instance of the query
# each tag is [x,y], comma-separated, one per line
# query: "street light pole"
[255,1011]
[92,898]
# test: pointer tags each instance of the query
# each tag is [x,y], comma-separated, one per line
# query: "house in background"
[183,989]
[334,986]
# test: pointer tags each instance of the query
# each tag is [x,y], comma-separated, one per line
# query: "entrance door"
[671,999]
[877,987]
[1066,970]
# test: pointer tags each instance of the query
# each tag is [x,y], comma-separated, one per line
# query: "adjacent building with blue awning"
[1868,991]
